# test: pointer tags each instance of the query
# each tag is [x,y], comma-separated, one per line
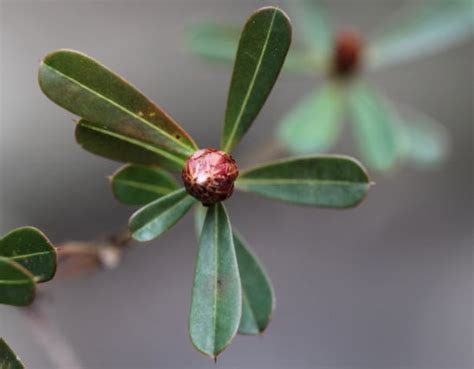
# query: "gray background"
[385,285]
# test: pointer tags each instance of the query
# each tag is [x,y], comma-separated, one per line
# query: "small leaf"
[17,285]
[433,26]
[8,359]
[216,304]
[262,50]
[322,181]
[315,123]
[30,248]
[313,22]
[158,216]
[140,185]
[374,127]
[111,145]
[85,87]
[258,301]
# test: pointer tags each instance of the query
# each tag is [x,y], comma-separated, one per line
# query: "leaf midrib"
[285,181]
[18,257]
[16,282]
[113,103]
[216,247]
[144,186]
[252,83]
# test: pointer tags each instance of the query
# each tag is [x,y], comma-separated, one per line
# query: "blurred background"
[387,285]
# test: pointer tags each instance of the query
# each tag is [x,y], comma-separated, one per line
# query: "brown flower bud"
[209,175]
[347,53]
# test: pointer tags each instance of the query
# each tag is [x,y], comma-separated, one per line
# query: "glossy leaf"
[258,300]
[30,248]
[323,181]
[434,25]
[93,138]
[140,185]
[8,359]
[219,42]
[311,19]
[85,87]
[422,140]
[158,216]
[315,123]
[17,285]
[263,46]
[216,304]
[374,127]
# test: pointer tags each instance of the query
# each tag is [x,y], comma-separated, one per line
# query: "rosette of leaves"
[386,133]
[27,257]
[8,359]
[231,292]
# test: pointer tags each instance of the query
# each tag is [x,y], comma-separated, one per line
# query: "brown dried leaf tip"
[209,175]
[347,53]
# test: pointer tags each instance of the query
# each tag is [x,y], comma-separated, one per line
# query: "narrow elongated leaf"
[313,22]
[219,42]
[17,285]
[87,88]
[93,138]
[216,304]
[433,26]
[314,125]
[262,50]
[374,127]
[323,181]
[258,300]
[158,216]
[8,359]
[30,248]
[140,185]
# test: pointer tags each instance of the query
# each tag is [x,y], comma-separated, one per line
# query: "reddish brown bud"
[209,175]
[347,53]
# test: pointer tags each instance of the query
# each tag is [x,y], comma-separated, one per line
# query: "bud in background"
[347,53]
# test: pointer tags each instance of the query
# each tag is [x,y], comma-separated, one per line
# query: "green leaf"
[315,123]
[8,359]
[422,140]
[87,88]
[258,301]
[323,181]
[374,127]
[30,248]
[433,26]
[262,50]
[17,285]
[93,138]
[139,185]
[216,304]
[158,216]
[312,20]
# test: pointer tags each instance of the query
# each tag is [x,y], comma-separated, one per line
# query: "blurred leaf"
[315,123]
[219,42]
[8,359]
[374,127]
[312,20]
[30,248]
[158,216]
[434,25]
[330,181]
[139,185]
[93,138]
[258,300]
[86,88]
[422,140]
[216,304]
[262,50]
[17,285]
